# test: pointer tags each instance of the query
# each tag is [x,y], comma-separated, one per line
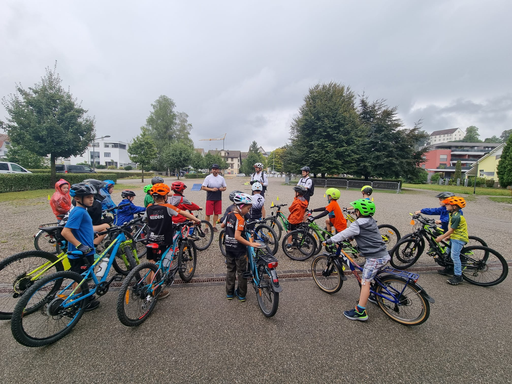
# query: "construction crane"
[222,138]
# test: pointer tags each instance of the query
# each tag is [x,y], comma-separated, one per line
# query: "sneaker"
[241,298]
[372,298]
[215,229]
[230,297]
[163,295]
[447,271]
[354,315]
[455,280]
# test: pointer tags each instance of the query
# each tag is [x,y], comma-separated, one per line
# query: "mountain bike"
[202,235]
[481,265]
[51,307]
[277,221]
[262,233]
[397,292]
[139,292]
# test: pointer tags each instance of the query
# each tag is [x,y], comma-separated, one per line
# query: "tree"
[458,171]
[177,156]
[505,135]
[472,135]
[142,150]
[505,165]
[493,139]
[197,161]
[19,155]
[276,159]
[253,156]
[47,120]
[210,159]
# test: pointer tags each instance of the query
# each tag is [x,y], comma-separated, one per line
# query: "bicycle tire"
[390,235]
[268,299]
[222,246]
[39,328]
[204,235]
[265,233]
[409,295]
[135,302]
[124,261]
[187,259]
[302,245]
[405,253]
[478,261]
[138,239]
[276,226]
[475,241]
[43,241]
[13,277]
[326,274]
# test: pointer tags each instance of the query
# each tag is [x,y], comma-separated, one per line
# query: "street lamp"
[93,151]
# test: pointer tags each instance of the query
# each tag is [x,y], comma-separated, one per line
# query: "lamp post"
[93,150]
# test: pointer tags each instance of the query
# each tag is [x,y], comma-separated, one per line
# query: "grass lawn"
[502,199]
[459,190]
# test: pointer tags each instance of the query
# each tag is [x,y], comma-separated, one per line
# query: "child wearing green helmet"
[371,246]
[333,209]
[148,199]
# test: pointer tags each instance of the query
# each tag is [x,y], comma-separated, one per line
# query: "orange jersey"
[297,210]
[336,216]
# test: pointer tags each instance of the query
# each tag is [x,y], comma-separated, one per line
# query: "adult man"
[214,184]
[306,182]
[260,176]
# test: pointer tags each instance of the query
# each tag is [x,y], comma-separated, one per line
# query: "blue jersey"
[80,224]
[125,214]
[443,213]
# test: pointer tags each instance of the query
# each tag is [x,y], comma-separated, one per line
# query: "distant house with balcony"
[103,152]
[446,135]
[487,165]
[232,158]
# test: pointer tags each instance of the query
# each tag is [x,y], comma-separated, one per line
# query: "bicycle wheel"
[475,241]
[326,274]
[124,261]
[410,308]
[139,234]
[187,258]
[203,235]
[51,321]
[318,241]
[390,235]
[21,271]
[276,226]
[268,300]
[221,242]
[298,245]
[483,266]
[43,241]
[405,253]
[268,236]
[137,298]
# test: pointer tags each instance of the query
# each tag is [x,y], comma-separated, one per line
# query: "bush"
[128,168]
[30,181]
[419,177]
[489,183]
[435,178]
[101,166]
[44,170]
[111,167]
[480,181]
[195,175]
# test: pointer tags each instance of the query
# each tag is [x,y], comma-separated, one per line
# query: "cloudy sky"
[243,67]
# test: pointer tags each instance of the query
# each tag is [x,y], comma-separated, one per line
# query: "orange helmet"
[455,200]
[160,189]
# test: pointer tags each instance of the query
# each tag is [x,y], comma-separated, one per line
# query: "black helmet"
[98,184]
[215,166]
[127,193]
[232,195]
[156,180]
[445,195]
[300,189]
[305,169]
[82,189]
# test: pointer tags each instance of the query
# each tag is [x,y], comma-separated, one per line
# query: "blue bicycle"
[51,307]
[396,292]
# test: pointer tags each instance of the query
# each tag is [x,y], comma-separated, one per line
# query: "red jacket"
[182,203]
[60,201]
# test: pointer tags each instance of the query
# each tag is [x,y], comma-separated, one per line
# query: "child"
[106,192]
[336,217]
[79,232]
[61,200]
[371,246]
[125,214]
[161,229]
[458,234]
[236,243]
[148,199]
[258,203]
[297,208]
[180,201]
[367,191]
[231,207]
[444,216]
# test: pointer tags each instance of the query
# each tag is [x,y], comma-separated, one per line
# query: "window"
[4,167]
[95,155]
[106,145]
[17,168]
[95,145]
[443,157]
[122,146]
[106,154]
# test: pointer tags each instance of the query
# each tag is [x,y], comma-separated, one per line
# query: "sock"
[360,309]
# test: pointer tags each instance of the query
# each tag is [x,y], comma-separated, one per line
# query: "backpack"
[262,180]
[312,189]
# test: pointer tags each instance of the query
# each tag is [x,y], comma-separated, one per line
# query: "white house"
[446,135]
[104,151]
[4,145]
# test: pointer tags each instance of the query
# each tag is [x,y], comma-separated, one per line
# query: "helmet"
[242,199]
[178,186]
[456,200]
[334,193]
[127,193]
[259,165]
[445,195]
[300,189]
[365,207]
[305,169]
[82,189]
[160,189]
[156,180]
[215,166]
[98,184]
[147,188]
[232,195]
[109,183]
[367,189]
[257,186]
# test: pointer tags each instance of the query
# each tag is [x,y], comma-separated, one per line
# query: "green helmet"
[147,188]
[334,193]
[364,206]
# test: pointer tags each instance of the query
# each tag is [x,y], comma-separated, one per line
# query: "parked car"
[64,168]
[8,167]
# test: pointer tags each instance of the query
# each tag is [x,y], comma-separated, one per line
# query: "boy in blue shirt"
[125,213]
[444,215]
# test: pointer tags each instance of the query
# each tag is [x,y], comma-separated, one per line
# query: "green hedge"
[120,175]
[30,181]
[195,175]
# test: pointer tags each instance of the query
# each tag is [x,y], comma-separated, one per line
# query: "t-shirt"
[263,179]
[211,181]
[336,216]
[258,201]
[80,224]
[458,223]
[234,222]
[161,228]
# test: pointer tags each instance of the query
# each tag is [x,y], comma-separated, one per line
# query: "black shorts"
[293,227]
[79,265]
[155,254]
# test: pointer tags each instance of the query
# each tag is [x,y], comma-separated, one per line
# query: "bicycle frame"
[270,265]
[280,216]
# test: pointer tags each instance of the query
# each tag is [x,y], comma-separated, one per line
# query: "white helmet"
[242,199]
[259,165]
[257,186]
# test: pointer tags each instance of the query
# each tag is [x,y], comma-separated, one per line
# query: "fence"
[355,183]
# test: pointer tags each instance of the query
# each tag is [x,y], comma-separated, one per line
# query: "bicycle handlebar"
[278,206]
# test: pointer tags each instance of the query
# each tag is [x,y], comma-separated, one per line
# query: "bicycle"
[278,221]
[139,293]
[396,292]
[202,237]
[481,265]
[262,232]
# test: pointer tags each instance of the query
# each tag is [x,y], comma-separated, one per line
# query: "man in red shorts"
[214,184]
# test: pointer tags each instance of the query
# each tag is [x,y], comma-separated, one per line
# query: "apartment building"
[446,135]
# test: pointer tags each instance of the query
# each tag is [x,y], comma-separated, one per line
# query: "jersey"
[258,201]
[234,222]
[458,223]
[161,228]
[336,216]
[184,204]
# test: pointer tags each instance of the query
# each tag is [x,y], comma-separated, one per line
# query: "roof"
[227,152]
[473,168]
[444,132]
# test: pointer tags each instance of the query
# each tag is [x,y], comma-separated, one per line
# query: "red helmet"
[160,189]
[178,186]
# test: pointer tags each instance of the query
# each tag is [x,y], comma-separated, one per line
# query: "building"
[4,145]
[103,152]
[446,135]
[232,158]
[487,165]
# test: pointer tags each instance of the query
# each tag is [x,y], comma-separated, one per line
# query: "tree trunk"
[143,175]
[53,173]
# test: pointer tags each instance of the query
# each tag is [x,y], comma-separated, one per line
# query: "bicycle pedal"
[118,278]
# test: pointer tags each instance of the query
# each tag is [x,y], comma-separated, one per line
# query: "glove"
[329,241]
[85,249]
